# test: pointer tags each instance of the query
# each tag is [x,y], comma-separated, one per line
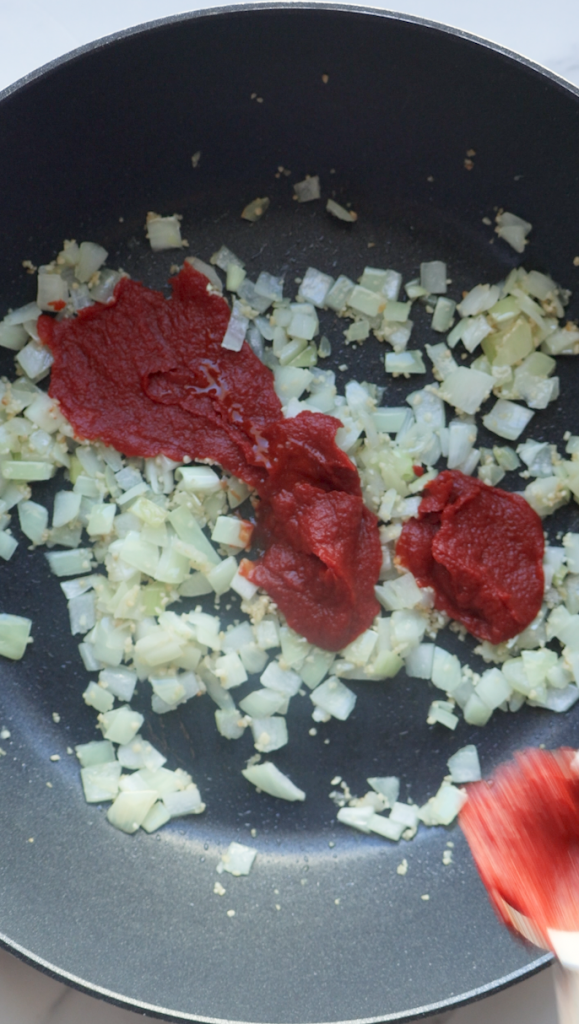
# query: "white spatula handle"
[567,992]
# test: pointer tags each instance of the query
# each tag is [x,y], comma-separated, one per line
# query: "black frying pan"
[108,133]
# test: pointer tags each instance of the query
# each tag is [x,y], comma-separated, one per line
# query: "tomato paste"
[481,550]
[322,551]
[149,376]
[523,830]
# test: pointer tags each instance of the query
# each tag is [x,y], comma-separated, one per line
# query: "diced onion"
[269,779]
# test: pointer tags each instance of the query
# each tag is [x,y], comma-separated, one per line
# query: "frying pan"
[325,929]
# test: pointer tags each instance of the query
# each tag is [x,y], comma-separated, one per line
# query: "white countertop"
[33,32]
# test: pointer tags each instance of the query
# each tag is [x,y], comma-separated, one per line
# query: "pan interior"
[325,928]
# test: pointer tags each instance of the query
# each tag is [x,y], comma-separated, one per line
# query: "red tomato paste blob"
[481,550]
[523,830]
[149,376]
[322,549]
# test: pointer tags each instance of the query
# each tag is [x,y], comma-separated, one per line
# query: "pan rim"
[286,5]
[164,1013]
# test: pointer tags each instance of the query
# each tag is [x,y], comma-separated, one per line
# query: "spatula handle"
[567,992]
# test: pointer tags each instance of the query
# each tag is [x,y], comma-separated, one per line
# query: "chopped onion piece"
[466,389]
[229,723]
[442,711]
[404,362]
[308,189]
[52,291]
[224,258]
[547,494]
[480,299]
[269,733]
[476,711]
[270,780]
[70,563]
[95,752]
[443,315]
[356,817]
[444,807]
[407,630]
[22,315]
[262,703]
[163,232]
[513,230]
[507,419]
[433,277]
[279,679]
[33,521]
[446,670]
[317,664]
[388,786]
[395,313]
[474,330]
[14,635]
[82,613]
[12,336]
[187,801]
[357,331]
[385,827]
[168,694]
[256,209]
[366,302]
[389,421]
[198,479]
[493,688]
[100,782]
[157,816]
[26,471]
[8,545]
[130,809]
[139,753]
[269,287]
[230,671]
[558,700]
[339,294]
[121,725]
[45,413]
[400,593]
[341,212]
[91,258]
[461,438]
[221,576]
[333,698]
[103,290]
[236,637]
[464,766]
[419,663]
[100,520]
[360,650]
[315,286]
[121,682]
[237,859]
[232,531]
[406,814]
[235,334]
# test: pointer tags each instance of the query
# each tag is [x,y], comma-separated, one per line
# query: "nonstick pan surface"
[325,929]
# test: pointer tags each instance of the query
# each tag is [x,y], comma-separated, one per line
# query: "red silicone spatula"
[522,826]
